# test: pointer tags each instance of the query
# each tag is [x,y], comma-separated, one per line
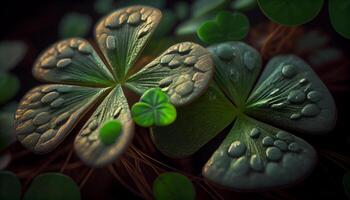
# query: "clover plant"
[260,151]
[154,108]
[82,82]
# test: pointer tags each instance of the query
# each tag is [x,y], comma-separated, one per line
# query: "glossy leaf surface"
[153,109]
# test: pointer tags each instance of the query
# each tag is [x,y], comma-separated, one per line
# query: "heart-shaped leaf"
[290,12]
[122,35]
[93,149]
[237,68]
[173,186]
[72,61]
[255,155]
[289,94]
[9,85]
[74,25]
[183,71]
[53,186]
[226,27]
[11,53]
[153,109]
[212,113]
[48,113]
[339,14]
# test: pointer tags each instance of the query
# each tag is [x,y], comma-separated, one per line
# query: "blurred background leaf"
[346,183]
[103,6]
[243,5]
[339,12]
[7,132]
[11,53]
[74,25]
[9,86]
[10,186]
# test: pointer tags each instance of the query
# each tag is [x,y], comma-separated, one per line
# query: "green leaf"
[255,155]
[166,24]
[153,109]
[89,145]
[190,26]
[311,40]
[182,9]
[10,186]
[103,6]
[346,183]
[183,71]
[173,186]
[9,85]
[205,7]
[289,94]
[110,131]
[72,61]
[237,68]
[11,53]
[226,27]
[48,113]
[123,34]
[7,132]
[291,12]
[195,125]
[53,186]
[74,25]
[244,5]
[339,14]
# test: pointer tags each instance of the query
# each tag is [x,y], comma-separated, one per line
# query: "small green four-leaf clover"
[86,83]
[154,109]
[258,152]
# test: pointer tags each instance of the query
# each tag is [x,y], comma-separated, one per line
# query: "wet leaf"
[10,186]
[154,109]
[173,186]
[290,12]
[90,146]
[53,186]
[195,125]
[255,155]
[74,25]
[9,85]
[291,95]
[11,53]
[226,27]
[339,14]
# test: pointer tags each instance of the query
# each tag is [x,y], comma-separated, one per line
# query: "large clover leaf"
[48,113]
[258,152]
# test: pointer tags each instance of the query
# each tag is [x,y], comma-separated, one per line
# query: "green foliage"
[255,154]
[103,6]
[291,12]
[165,26]
[244,5]
[205,7]
[182,9]
[110,131]
[339,12]
[11,53]
[74,25]
[53,186]
[10,186]
[9,85]
[154,108]
[226,27]
[173,186]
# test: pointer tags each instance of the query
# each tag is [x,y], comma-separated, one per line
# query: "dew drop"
[289,71]
[310,110]
[296,96]
[314,96]
[236,149]
[225,52]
